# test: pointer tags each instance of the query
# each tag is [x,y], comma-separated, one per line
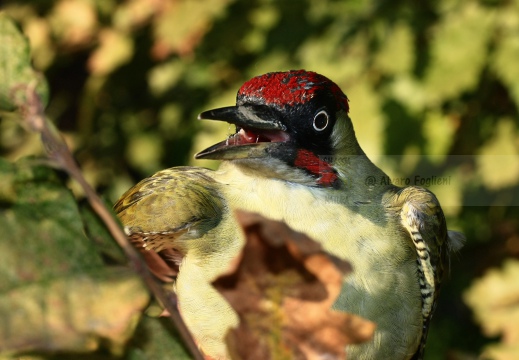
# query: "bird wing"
[162,211]
[421,216]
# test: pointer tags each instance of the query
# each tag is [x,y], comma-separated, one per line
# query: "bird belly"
[383,286]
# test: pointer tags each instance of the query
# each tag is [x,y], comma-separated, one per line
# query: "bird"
[294,157]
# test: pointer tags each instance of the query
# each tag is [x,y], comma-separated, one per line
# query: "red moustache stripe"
[308,160]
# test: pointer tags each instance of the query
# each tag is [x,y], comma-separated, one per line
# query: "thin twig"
[57,150]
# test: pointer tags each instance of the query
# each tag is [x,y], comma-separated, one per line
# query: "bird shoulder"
[177,203]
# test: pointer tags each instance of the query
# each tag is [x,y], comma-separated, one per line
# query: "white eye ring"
[318,120]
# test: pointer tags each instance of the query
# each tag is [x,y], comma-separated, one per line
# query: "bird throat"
[302,167]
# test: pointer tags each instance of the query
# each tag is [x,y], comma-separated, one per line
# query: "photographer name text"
[409,181]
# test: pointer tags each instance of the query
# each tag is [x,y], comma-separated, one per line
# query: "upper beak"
[260,119]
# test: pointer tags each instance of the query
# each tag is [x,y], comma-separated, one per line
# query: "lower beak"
[221,151]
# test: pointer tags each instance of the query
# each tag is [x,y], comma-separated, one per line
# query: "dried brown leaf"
[283,287]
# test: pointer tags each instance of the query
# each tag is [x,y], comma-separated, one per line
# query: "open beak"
[258,131]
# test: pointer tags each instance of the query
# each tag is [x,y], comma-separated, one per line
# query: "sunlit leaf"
[182,24]
[115,49]
[16,73]
[498,160]
[458,51]
[74,22]
[504,63]
[493,299]
[130,14]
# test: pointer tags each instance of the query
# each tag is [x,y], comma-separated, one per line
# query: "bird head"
[290,125]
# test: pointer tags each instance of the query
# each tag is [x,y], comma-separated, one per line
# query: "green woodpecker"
[295,158]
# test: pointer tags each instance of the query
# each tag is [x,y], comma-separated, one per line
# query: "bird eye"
[321,120]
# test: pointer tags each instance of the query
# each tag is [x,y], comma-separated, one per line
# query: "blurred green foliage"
[433,88]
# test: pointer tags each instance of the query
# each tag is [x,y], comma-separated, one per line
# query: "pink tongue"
[248,137]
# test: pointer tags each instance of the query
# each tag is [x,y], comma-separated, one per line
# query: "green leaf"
[16,72]
[42,233]
[72,312]
[99,234]
[56,294]
[156,339]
